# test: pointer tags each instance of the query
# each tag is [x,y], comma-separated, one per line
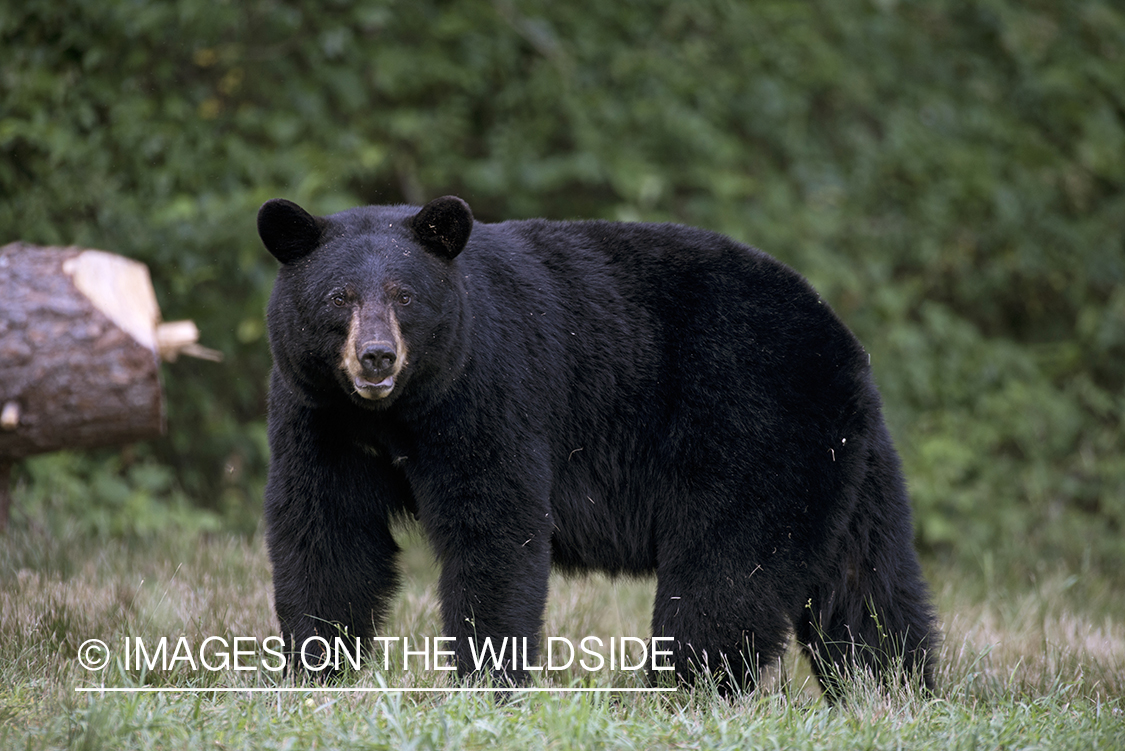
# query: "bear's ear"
[443,226]
[288,231]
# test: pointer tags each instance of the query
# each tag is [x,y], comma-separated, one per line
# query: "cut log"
[78,359]
[80,351]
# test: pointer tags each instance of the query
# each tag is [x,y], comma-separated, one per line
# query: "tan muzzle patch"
[373,357]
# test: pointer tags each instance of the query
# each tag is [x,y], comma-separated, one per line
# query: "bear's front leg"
[492,604]
[334,559]
[495,555]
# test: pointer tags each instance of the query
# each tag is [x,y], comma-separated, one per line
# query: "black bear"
[626,397]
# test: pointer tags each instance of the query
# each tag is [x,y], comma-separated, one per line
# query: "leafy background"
[949,174]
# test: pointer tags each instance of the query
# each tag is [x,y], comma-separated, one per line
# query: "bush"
[950,174]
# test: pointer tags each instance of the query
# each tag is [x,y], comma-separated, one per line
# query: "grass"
[1038,663]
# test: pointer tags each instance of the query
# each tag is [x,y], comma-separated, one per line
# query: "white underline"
[329,690]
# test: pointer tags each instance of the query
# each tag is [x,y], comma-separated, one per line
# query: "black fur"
[630,398]
[443,226]
[287,230]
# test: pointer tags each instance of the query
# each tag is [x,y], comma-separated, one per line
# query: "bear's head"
[366,299]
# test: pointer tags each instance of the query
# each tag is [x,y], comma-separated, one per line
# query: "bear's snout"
[374,354]
[377,359]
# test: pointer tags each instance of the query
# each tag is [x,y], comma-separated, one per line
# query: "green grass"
[1026,664]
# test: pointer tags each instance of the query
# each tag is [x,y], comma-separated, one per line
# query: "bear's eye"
[339,299]
[404,298]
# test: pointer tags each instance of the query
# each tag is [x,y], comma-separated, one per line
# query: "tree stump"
[80,349]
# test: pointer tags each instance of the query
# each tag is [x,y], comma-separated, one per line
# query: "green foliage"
[950,174]
[108,496]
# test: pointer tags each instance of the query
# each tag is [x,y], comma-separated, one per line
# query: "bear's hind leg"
[876,618]
[725,622]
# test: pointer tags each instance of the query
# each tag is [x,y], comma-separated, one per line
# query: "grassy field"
[1027,664]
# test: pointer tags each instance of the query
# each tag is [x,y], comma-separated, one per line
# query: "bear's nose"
[377,357]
